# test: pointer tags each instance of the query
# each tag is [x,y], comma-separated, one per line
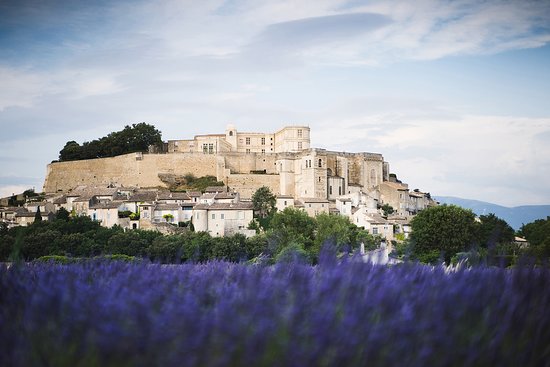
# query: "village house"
[220,219]
[284,201]
[315,206]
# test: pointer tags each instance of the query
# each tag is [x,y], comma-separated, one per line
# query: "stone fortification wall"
[132,169]
[246,163]
[247,184]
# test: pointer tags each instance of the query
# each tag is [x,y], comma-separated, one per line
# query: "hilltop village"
[140,190]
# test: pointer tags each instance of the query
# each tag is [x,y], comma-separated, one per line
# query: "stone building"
[288,139]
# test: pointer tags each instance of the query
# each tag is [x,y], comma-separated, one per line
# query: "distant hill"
[515,216]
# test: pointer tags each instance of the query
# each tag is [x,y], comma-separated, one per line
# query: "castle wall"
[132,169]
[247,184]
[246,163]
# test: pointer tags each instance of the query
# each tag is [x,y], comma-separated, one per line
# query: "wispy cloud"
[373,69]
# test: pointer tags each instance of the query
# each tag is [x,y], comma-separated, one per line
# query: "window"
[210,148]
[320,163]
[205,148]
[339,191]
[196,215]
[319,179]
[330,190]
[213,216]
[248,151]
[300,145]
[263,141]
[374,230]
[231,133]
[222,216]
[285,202]
[299,133]
[263,151]
[247,141]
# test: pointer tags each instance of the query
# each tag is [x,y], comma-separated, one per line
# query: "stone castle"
[283,161]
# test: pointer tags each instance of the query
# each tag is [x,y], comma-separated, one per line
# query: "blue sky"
[454,94]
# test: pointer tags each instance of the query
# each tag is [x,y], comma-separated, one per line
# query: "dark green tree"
[264,206]
[493,231]
[537,233]
[134,138]
[387,209]
[71,151]
[62,214]
[38,215]
[292,226]
[441,232]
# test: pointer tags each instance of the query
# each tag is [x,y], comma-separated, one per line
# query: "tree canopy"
[135,138]
[264,206]
[442,231]
[537,233]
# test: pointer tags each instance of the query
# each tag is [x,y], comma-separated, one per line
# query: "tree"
[442,231]
[493,231]
[71,151]
[135,138]
[537,233]
[335,228]
[62,214]
[387,209]
[264,205]
[38,215]
[291,226]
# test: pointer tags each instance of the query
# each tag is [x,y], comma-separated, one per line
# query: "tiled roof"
[224,195]
[82,199]
[194,194]
[376,219]
[106,205]
[216,189]
[60,200]
[314,200]
[167,207]
[36,203]
[142,196]
[93,191]
[167,195]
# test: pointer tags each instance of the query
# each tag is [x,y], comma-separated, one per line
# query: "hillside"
[515,216]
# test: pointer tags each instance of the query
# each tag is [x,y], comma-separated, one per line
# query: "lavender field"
[346,313]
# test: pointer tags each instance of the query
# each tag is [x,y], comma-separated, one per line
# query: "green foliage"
[264,202]
[62,214]
[441,232]
[537,233]
[193,183]
[168,217]
[292,225]
[492,231]
[387,209]
[38,215]
[58,259]
[135,138]
[293,253]
[336,229]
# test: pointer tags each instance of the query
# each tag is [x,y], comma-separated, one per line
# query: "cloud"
[494,158]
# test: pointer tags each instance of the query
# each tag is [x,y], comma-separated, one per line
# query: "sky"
[454,94]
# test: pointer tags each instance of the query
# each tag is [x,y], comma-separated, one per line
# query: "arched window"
[231,133]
